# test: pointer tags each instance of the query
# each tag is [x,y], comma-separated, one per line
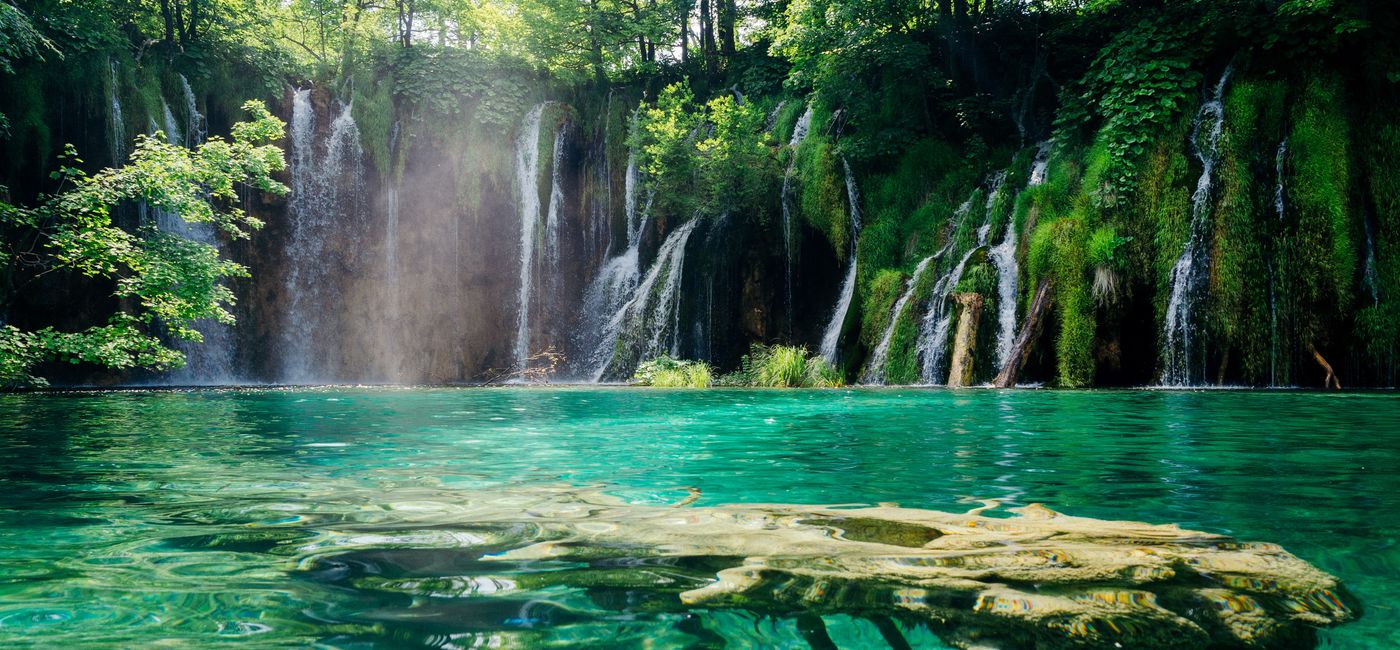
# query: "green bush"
[666,372]
[783,366]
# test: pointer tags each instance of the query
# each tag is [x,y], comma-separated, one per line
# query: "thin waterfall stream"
[1179,357]
[832,336]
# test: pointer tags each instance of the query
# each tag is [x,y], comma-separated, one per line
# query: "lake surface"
[326,516]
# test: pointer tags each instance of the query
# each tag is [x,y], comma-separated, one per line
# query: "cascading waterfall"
[1003,258]
[556,203]
[117,124]
[799,133]
[195,128]
[527,170]
[317,201]
[832,337]
[646,325]
[875,368]
[932,344]
[1189,272]
[616,281]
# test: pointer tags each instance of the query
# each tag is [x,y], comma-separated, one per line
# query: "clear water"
[326,516]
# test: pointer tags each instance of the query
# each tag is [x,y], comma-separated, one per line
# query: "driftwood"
[1025,340]
[965,341]
[1330,381]
[1039,580]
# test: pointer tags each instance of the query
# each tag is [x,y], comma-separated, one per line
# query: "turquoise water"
[325,516]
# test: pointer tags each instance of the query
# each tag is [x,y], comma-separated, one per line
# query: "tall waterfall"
[1003,258]
[799,133]
[539,248]
[647,324]
[173,134]
[875,367]
[1188,275]
[195,127]
[317,202]
[527,170]
[932,345]
[832,338]
[616,281]
[1280,157]
[116,140]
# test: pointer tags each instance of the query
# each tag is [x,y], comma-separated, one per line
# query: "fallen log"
[1330,381]
[1025,340]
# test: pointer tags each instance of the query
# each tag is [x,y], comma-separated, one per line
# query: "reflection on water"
[301,516]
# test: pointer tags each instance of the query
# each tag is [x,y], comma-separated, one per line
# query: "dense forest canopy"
[1093,118]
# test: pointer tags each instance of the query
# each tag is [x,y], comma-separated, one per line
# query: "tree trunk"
[1331,380]
[685,36]
[727,12]
[169,19]
[1025,340]
[965,341]
[707,35]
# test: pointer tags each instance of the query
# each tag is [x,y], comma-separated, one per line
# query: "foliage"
[1319,146]
[783,366]
[1138,84]
[665,372]
[708,158]
[164,280]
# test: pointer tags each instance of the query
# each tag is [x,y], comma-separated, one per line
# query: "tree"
[164,282]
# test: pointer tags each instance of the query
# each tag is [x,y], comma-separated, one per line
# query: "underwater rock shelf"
[1040,579]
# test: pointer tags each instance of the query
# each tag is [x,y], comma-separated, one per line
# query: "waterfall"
[1003,258]
[875,368]
[210,362]
[616,281]
[195,129]
[1188,274]
[317,202]
[527,170]
[799,133]
[646,324]
[1279,158]
[117,124]
[772,120]
[556,202]
[832,337]
[932,344]
[1369,265]
[172,128]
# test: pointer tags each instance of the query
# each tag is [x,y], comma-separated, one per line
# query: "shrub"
[666,372]
[784,366]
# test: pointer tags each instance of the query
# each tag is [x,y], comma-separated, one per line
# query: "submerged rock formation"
[1040,579]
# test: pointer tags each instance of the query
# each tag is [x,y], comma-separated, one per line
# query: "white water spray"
[1003,258]
[832,336]
[1188,274]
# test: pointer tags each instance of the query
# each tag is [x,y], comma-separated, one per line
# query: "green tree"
[164,282]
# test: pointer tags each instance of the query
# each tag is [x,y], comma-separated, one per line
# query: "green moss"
[902,363]
[1244,224]
[880,297]
[823,192]
[375,115]
[1327,257]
